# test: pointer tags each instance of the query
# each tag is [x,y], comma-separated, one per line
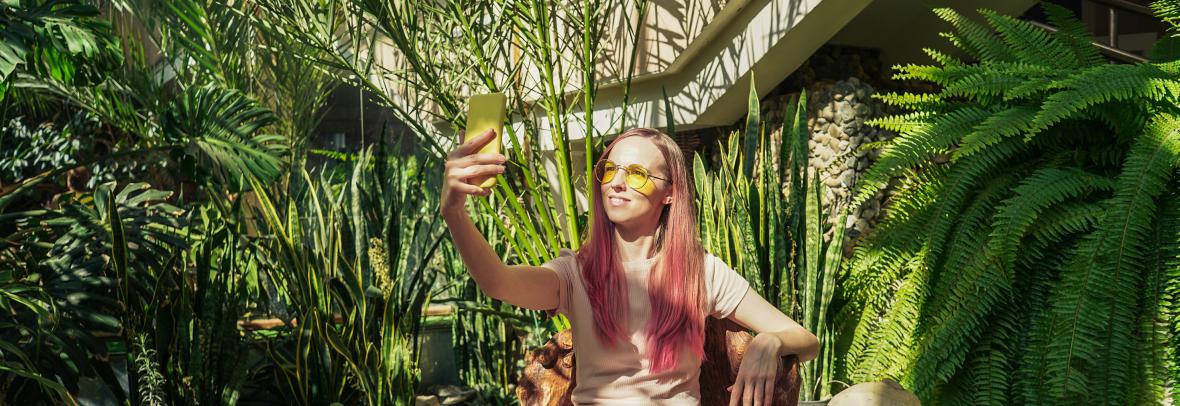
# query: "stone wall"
[839,83]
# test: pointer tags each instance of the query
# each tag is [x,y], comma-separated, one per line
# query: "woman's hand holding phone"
[464,163]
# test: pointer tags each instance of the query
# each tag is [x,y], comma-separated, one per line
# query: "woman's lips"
[617,201]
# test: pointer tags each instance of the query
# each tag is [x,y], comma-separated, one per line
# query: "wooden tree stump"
[548,378]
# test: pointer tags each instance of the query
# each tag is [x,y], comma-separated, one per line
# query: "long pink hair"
[677,287]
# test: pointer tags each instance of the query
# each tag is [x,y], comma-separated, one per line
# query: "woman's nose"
[620,179]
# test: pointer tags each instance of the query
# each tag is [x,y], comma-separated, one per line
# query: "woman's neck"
[635,245]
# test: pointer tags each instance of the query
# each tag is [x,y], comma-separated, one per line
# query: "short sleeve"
[725,287]
[566,267]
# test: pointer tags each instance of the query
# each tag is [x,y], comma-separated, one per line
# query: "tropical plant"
[352,259]
[122,266]
[422,59]
[761,211]
[1028,256]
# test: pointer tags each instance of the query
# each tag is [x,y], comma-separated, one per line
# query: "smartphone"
[486,111]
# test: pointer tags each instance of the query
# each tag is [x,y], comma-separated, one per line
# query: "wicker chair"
[548,377]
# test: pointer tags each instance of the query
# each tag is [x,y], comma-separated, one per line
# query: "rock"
[884,393]
[847,177]
[861,224]
[853,127]
[426,400]
[828,113]
[831,183]
[845,112]
[823,137]
[824,155]
[453,395]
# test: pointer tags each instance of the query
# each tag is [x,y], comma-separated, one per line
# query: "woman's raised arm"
[531,287]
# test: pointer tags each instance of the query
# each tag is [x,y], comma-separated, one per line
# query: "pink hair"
[677,306]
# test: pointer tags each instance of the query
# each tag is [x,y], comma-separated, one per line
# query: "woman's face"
[629,207]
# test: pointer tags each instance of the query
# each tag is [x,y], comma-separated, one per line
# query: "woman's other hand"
[756,376]
[464,163]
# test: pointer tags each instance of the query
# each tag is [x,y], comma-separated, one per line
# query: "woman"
[635,344]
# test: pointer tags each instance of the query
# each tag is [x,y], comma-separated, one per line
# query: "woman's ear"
[668,199]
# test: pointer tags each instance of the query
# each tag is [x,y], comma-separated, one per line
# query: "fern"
[1004,124]
[977,40]
[912,149]
[1024,270]
[1074,34]
[1031,43]
[1122,83]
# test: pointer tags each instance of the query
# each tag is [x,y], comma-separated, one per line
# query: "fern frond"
[960,300]
[940,75]
[1093,316]
[902,123]
[942,58]
[1169,306]
[1031,44]
[991,362]
[1066,219]
[977,40]
[1003,124]
[1105,83]
[987,83]
[1074,34]
[1167,10]
[910,150]
[1037,193]
[964,180]
[1151,377]
[924,102]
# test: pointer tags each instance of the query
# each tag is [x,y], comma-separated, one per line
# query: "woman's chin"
[620,217]
[624,218]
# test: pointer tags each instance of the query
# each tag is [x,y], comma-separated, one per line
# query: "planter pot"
[437,359]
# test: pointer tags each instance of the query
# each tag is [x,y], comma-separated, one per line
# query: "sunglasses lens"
[606,171]
[636,176]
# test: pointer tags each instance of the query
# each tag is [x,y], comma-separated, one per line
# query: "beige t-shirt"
[622,375]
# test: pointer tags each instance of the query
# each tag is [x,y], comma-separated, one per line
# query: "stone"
[847,177]
[823,137]
[453,395]
[426,400]
[828,113]
[845,112]
[831,183]
[824,155]
[861,224]
[884,393]
[834,132]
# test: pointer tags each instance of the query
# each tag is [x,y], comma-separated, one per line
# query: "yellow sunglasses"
[637,175]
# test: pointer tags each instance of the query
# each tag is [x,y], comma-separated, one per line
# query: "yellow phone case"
[486,111]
